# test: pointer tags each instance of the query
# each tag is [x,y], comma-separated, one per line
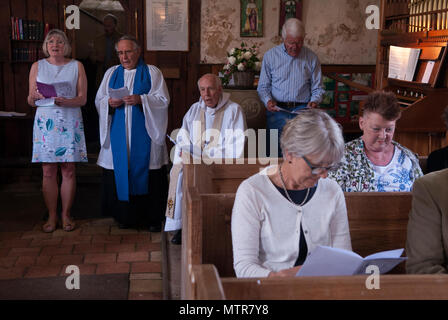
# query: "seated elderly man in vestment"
[213,127]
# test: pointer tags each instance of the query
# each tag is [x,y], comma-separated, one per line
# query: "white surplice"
[155,108]
[230,145]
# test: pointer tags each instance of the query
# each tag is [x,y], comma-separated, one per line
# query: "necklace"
[286,191]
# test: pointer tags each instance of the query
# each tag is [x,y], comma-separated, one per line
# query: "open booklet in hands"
[50,91]
[327,261]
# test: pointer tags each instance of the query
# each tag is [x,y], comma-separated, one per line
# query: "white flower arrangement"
[241,59]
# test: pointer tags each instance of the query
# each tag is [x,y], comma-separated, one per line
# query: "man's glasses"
[317,170]
[127,52]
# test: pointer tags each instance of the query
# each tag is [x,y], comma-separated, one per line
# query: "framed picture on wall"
[251,18]
[166,25]
[289,9]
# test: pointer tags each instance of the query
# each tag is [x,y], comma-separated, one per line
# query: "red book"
[17,29]
[13,35]
[47,28]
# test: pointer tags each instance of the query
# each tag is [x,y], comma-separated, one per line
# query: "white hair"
[218,81]
[313,132]
[293,27]
[129,38]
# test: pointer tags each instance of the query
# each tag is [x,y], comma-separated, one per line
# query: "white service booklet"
[327,261]
[403,62]
[118,93]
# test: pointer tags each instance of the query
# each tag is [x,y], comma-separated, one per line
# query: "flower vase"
[243,79]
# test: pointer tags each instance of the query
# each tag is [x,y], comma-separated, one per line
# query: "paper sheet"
[428,72]
[118,93]
[327,261]
[11,114]
[45,102]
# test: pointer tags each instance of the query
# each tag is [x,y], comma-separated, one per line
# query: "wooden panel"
[16,136]
[21,75]
[50,12]
[378,220]
[217,238]
[207,285]
[18,9]
[34,10]
[170,73]
[430,53]
[8,87]
[5,30]
[393,287]
[421,143]
[192,75]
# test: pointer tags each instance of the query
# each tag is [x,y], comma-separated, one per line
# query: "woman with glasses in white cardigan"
[284,212]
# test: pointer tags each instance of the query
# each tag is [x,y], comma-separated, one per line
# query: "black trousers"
[141,211]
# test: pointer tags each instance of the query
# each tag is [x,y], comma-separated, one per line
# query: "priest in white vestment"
[213,113]
[133,125]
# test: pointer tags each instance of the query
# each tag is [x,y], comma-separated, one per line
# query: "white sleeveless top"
[49,73]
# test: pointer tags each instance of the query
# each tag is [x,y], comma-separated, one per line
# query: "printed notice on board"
[167,25]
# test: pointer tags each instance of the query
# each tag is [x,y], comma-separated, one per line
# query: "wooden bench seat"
[207,285]
[221,178]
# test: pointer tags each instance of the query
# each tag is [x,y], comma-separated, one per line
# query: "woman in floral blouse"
[374,162]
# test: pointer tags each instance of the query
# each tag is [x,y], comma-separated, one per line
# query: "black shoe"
[177,238]
[155,228]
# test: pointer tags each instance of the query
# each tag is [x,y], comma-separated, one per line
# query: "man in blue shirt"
[290,78]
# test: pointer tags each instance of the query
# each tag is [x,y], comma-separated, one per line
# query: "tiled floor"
[97,246]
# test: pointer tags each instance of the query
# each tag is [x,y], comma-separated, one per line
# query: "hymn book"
[52,90]
[403,62]
[327,261]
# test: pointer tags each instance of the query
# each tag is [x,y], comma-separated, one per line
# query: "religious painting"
[289,9]
[251,18]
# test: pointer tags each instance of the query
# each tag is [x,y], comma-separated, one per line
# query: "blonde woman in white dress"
[58,133]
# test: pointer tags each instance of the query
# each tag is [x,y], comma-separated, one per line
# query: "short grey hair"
[218,81]
[313,132]
[60,34]
[130,38]
[294,28]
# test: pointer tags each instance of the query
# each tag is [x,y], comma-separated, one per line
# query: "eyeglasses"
[315,169]
[127,52]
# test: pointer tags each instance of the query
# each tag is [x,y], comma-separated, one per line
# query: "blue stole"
[131,178]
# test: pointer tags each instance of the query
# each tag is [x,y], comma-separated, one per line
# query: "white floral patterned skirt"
[58,135]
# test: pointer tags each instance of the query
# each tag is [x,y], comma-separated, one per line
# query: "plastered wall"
[335,30]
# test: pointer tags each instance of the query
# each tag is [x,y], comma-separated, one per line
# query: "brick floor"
[96,246]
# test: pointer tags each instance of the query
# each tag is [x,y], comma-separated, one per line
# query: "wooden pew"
[377,220]
[218,178]
[207,285]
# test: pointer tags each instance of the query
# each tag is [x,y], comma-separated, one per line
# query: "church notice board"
[166,25]
[341,101]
